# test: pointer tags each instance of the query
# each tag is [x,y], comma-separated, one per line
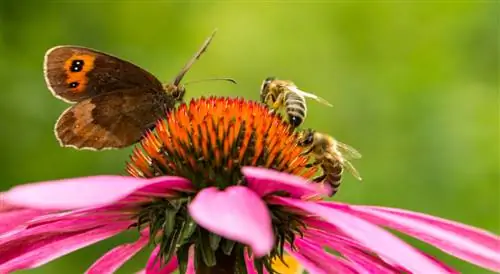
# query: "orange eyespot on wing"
[76,73]
[76,68]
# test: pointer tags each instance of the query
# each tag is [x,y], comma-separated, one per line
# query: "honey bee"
[284,94]
[332,156]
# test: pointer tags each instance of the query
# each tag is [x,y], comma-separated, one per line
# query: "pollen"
[208,140]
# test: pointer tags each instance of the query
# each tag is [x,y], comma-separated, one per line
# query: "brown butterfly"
[114,101]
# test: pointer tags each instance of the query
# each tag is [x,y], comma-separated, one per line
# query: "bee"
[284,95]
[331,155]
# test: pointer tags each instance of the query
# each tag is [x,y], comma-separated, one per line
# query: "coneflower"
[220,186]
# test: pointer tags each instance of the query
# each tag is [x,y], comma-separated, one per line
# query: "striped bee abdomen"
[296,109]
[332,174]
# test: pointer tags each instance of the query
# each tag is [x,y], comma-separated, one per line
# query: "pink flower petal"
[117,256]
[249,263]
[37,251]
[468,243]
[265,181]
[154,265]
[190,266]
[308,264]
[84,192]
[11,219]
[363,261]
[316,255]
[236,213]
[373,237]
[52,228]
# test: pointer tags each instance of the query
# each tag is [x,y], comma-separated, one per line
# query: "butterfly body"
[114,101]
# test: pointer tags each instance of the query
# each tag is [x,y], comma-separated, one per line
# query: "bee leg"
[320,178]
[268,100]
[309,165]
[307,151]
[278,101]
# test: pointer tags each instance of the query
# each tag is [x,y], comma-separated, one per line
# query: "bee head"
[265,86]
[306,137]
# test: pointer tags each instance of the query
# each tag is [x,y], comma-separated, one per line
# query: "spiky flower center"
[207,142]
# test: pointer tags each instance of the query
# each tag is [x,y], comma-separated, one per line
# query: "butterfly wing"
[111,120]
[75,73]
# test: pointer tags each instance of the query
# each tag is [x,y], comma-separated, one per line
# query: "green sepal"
[227,246]
[214,240]
[183,257]
[207,253]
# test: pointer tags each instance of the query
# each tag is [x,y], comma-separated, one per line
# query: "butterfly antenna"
[231,80]
[185,69]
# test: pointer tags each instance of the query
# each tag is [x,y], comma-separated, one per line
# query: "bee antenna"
[213,79]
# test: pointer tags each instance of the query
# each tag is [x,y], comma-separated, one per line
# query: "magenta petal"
[373,237]
[190,266]
[363,261]
[264,181]
[236,213]
[81,192]
[316,255]
[116,257]
[51,228]
[14,218]
[465,242]
[154,266]
[249,263]
[38,251]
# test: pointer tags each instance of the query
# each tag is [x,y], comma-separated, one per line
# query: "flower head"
[220,187]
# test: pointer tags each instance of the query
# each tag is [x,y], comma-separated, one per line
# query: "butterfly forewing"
[75,73]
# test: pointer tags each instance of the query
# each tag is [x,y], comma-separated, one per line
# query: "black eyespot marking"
[74,84]
[77,65]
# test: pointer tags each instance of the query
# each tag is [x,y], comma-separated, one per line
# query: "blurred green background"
[414,88]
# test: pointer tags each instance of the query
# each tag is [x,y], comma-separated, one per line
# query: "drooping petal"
[190,266]
[468,243]
[117,256]
[50,228]
[373,237]
[320,258]
[236,213]
[265,181]
[85,192]
[249,263]
[363,260]
[154,265]
[11,219]
[36,251]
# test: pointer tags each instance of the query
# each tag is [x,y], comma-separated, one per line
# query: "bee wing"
[309,95]
[347,165]
[347,151]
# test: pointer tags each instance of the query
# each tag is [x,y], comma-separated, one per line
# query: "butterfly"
[114,101]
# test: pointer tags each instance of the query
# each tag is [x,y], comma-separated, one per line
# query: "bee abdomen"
[333,175]
[296,108]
